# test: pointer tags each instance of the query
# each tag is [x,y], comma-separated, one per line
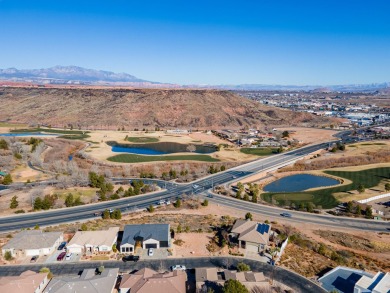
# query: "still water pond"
[26,134]
[159,148]
[299,182]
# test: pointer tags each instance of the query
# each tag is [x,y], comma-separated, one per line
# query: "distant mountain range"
[69,75]
[81,76]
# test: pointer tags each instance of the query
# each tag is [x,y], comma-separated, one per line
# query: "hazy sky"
[204,41]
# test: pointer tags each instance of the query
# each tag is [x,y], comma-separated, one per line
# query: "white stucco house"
[33,242]
[88,242]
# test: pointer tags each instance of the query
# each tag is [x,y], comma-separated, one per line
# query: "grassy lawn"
[294,196]
[49,130]
[324,197]
[75,136]
[259,151]
[84,193]
[142,139]
[132,158]
[5,124]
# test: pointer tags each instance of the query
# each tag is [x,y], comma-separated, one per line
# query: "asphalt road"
[80,213]
[174,191]
[301,217]
[291,279]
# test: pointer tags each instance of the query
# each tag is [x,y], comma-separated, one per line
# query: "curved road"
[291,279]
[174,191]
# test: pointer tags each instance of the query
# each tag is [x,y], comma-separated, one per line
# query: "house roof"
[33,239]
[95,238]
[159,232]
[27,282]
[379,283]
[149,281]
[206,274]
[244,276]
[88,281]
[252,231]
[342,279]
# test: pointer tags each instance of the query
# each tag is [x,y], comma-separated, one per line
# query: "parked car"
[34,258]
[150,251]
[178,268]
[167,202]
[134,258]
[210,195]
[68,256]
[61,256]
[62,245]
[287,215]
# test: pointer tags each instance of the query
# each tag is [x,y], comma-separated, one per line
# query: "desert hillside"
[141,108]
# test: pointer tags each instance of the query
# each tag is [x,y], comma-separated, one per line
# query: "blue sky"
[205,41]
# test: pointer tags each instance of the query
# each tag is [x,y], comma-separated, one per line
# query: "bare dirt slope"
[142,108]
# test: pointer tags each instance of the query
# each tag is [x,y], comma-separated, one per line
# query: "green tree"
[234,286]
[254,198]
[358,210]
[285,134]
[106,214]
[77,201]
[69,200]
[7,180]
[178,203]
[243,267]
[3,144]
[38,203]
[8,256]
[84,227]
[116,214]
[179,229]
[246,197]
[223,168]
[36,227]
[248,216]
[368,212]
[310,207]
[14,202]
[349,207]
[361,188]
[114,249]
[46,270]
[151,209]
[205,203]
[387,186]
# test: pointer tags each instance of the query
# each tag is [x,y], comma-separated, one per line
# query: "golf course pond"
[160,148]
[299,182]
[22,134]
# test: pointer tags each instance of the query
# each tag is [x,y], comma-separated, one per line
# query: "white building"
[33,242]
[88,242]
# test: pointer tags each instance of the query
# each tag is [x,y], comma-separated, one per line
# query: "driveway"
[158,254]
[53,257]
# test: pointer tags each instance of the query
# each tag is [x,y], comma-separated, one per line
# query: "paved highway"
[200,186]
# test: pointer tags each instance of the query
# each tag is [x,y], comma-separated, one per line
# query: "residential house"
[145,236]
[380,283]
[348,280]
[88,242]
[26,282]
[149,281]
[33,242]
[252,236]
[219,277]
[88,281]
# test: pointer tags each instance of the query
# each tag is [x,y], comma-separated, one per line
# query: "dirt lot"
[309,135]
